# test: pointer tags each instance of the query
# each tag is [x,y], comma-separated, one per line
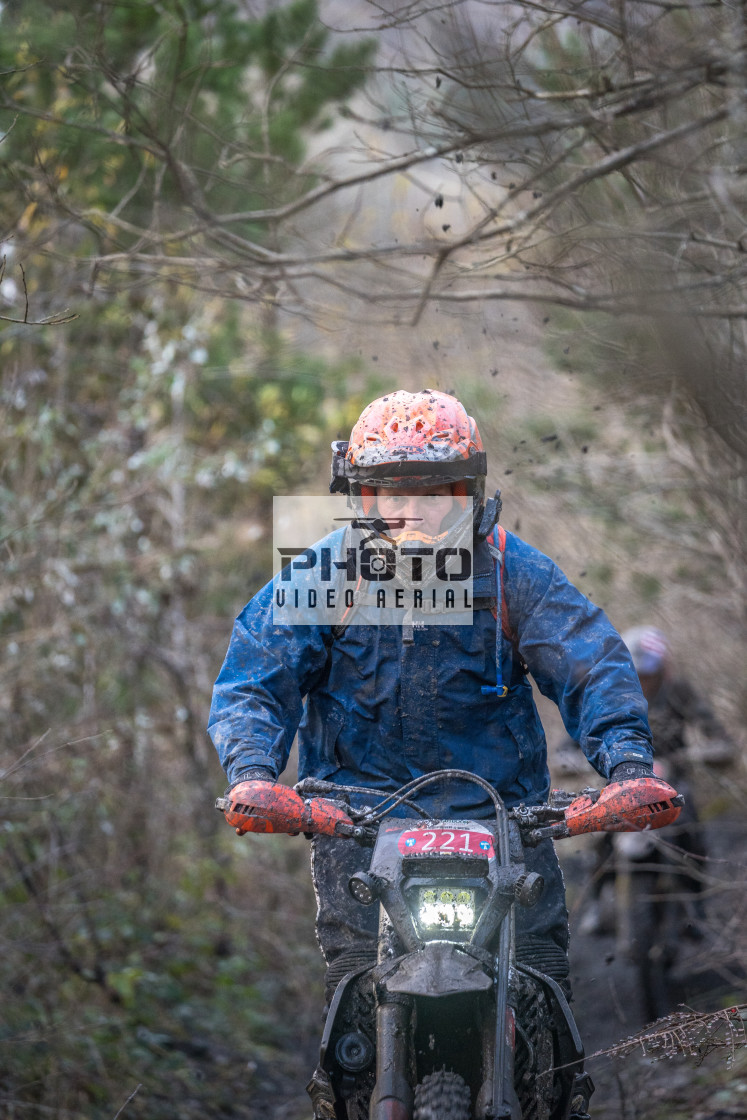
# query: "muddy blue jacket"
[373,710]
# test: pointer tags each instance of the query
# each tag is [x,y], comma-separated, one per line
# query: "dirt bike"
[448,1024]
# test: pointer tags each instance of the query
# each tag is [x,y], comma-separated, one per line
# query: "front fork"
[505,1102]
[392,1098]
[497,1096]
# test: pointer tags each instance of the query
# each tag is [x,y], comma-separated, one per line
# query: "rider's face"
[427,506]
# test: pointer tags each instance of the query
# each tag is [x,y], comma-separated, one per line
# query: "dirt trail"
[608,1002]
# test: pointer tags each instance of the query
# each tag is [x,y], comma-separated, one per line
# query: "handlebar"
[632,806]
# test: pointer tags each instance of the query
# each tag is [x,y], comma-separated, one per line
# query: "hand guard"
[633,805]
[263,806]
[628,806]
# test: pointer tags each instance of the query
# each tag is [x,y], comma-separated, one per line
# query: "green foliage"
[174,989]
[139,450]
[161,118]
[137,454]
[112,475]
[192,104]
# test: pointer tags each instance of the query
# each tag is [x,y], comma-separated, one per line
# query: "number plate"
[446,841]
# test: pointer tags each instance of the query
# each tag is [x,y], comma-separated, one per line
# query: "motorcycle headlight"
[446,909]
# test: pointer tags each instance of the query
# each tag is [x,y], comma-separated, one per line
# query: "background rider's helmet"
[427,438]
[649,649]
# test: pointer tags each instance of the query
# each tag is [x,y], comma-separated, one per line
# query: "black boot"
[322,1097]
[583,1087]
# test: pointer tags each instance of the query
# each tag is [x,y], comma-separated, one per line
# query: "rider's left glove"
[252,774]
[244,791]
[258,802]
[629,771]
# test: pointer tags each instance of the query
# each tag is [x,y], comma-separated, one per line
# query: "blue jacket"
[374,711]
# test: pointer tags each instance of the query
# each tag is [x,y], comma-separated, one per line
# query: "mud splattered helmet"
[425,437]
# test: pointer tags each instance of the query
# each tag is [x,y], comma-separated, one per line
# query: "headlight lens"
[448,909]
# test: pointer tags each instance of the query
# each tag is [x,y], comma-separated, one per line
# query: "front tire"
[442,1096]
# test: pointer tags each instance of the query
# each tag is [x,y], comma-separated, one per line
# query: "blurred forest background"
[224,227]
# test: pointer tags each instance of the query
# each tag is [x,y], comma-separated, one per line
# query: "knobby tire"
[442,1096]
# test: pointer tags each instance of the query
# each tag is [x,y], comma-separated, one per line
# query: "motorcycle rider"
[675,711]
[375,706]
[674,706]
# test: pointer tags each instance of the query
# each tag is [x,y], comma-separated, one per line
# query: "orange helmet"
[426,437]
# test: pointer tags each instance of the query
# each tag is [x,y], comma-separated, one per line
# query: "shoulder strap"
[497,548]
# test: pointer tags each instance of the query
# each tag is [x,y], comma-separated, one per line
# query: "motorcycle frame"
[409,967]
[412,968]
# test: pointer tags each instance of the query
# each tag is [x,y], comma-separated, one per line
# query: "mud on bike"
[448,1024]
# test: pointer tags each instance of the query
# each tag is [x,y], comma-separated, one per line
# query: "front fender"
[439,968]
